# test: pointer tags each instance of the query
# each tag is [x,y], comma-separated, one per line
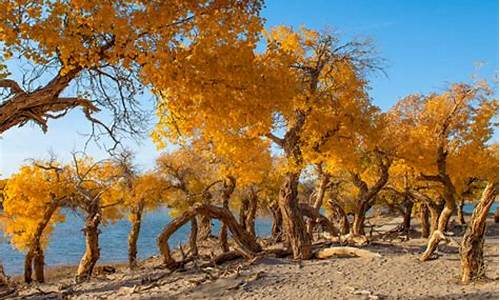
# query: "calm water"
[67,243]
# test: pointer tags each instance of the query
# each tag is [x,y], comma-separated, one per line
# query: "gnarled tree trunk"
[471,250]
[252,211]
[424,220]
[133,236]
[246,243]
[358,224]
[92,251]
[204,228]
[438,234]
[495,217]
[228,189]
[460,211]
[245,204]
[294,226]
[35,256]
[277,226]
[339,217]
[408,208]
[193,241]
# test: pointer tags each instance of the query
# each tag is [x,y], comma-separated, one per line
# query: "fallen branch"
[345,251]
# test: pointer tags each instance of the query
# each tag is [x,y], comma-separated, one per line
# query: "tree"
[33,198]
[447,137]
[109,50]
[99,189]
[307,86]
[471,250]
[146,192]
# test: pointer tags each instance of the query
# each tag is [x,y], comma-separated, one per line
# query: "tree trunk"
[35,253]
[358,224]
[495,217]
[92,251]
[460,211]
[438,234]
[205,228]
[193,242]
[424,220]
[133,236]
[471,250]
[406,225]
[28,265]
[339,217]
[435,210]
[38,264]
[245,204]
[317,218]
[297,236]
[277,227]
[246,243]
[229,186]
[252,211]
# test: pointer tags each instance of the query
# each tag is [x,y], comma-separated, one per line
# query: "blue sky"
[426,45]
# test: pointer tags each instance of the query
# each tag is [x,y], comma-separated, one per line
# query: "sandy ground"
[398,274]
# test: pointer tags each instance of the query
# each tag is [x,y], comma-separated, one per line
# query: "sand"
[398,274]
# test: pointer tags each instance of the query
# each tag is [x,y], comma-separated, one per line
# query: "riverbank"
[397,274]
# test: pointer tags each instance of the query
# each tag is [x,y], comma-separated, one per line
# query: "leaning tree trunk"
[250,217]
[38,264]
[28,265]
[245,204]
[35,256]
[471,250]
[193,241]
[229,186]
[133,236]
[277,226]
[358,224]
[460,211]
[318,201]
[205,228]
[295,229]
[92,251]
[339,217]
[424,220]
[246,243]
[444,217]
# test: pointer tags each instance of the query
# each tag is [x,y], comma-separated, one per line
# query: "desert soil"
[397,274]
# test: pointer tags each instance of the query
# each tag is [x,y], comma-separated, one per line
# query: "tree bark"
[205,228]
[38,264]
[460,211]
[339,217]
[136,217]
[297,236]
[245,204]
[193,241]
[28,265]
[92,251]
[471,250]
[35,256]
[495,217]
[252,211]
[228,189]
[438,234]
[246,243]
[406,225]
[277,227]
[424,220]
[317,218]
